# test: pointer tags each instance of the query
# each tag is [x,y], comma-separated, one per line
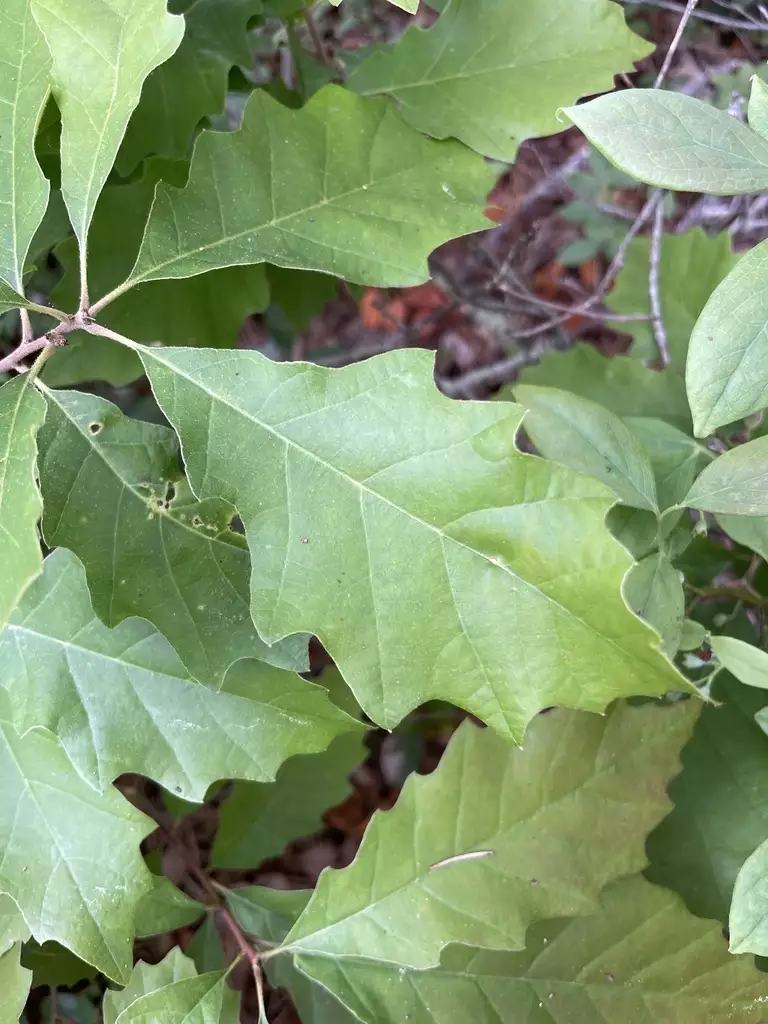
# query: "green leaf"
[77,885]
[642,958]
[492,76]
[619,383]
[54,965]
[192,84]
[12,925]
[411,6]
[121,701]
[267,913]
[14,985]
[367,495]
[206,949]
[588,438]
[314,1003]
[500,836]
[758,107]
[102,51]
[736,483]
[342,186]
[258,820]
[691,267]
[745,661]
[145,979]
[692,636]
[165,909]
[301,294]
[726,375]
[654,591]
[720,803]
[115,494]
[207,311]
[23,93]
[640,132]
[22,411]
[751,531]
[748,921]
[203,999]
[675,457]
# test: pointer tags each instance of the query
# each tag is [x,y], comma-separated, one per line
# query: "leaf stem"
[110,297]
[250,954]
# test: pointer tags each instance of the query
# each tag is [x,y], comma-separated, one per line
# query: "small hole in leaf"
[236,525]
[95,428]
[197,521]
[170,494]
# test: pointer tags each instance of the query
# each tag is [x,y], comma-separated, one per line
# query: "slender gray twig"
[469,383]
[715,19]
[685,17]
[654,290]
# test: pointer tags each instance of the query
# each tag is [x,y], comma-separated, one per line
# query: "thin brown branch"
[320,51]
[52,338]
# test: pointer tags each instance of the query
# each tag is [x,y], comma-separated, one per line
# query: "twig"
[52,339]
[654,291]
[495,373]
[314,35]
[684,19]
[715,19]
[249,953]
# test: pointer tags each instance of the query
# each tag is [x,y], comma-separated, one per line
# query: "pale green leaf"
[12,925]
[77,885]
[751,531]
[267,913]
[14,986]
[22,412]
[758,107]
[691,267]
[25,65]
[692,636]
[590,439]
[654,590]
[10,299]
[726,376]
[498,837]
[720,803]
[642,958]
[493,73]
[736,483]
[258,820]
[430,556]
[342,186]
[748,921]
[676,459]
[192,84]
[622,384]
[121,701]
[102,51]
[745,661]
[207,311]
[115,494]
[148,978]
[166,908]
[675,141]
[202,999]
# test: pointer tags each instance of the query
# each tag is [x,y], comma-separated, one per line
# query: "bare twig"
[744,25]
[469,383]
[27,348]
[684,19]
[654,291]
[314,35]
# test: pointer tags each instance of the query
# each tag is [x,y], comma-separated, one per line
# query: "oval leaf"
[748,663]
[736,483]
[675,141]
